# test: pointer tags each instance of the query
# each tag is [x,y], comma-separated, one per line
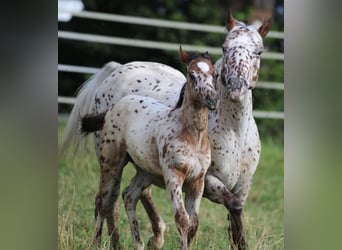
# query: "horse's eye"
[192,76]
[224,49]
[258,52]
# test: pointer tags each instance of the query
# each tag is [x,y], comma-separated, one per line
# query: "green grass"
[262,216]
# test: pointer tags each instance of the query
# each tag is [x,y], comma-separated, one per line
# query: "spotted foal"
[168,147]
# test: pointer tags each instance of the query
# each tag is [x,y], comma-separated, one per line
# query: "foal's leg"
[193,197]
[106,204]
[131,196]
[216,191]
[158,225]
[174,180]
[112,162]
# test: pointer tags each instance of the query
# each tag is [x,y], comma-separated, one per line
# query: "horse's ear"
[230,20]
[265,27]
[183,55]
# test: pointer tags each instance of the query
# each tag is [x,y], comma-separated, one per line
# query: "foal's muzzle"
[211,102]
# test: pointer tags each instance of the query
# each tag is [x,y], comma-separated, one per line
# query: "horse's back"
[152,79]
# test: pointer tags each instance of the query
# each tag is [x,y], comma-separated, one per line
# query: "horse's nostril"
[234,83]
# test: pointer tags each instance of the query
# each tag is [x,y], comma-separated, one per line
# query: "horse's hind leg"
[158,225]
[131,196]
[98,217]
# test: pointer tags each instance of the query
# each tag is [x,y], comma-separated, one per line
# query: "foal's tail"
[84,106]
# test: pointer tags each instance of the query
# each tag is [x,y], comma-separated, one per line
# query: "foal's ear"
[265,27]
[230,20]
[206,55]
[184,56]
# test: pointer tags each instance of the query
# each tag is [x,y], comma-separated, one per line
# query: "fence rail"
[92,70]
[150,44]
[256,113]
[159,45]
[158,22]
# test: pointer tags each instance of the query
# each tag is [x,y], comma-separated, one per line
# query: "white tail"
[84,105]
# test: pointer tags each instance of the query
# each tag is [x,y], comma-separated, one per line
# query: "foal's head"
[201,77]
[241,56]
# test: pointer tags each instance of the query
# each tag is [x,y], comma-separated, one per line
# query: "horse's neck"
[236,115]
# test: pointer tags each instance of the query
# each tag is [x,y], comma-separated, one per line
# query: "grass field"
[262,216]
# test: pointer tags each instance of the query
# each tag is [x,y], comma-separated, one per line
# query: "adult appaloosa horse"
[233,134]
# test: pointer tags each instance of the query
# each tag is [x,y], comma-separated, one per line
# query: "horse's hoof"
[235,204]
[115,241]
[154,244]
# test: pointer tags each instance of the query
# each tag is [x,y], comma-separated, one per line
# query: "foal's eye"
[224,49]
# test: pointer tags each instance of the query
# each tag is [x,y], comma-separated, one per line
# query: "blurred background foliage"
[196,11]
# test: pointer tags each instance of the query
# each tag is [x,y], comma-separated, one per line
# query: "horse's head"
[201,77]
[241,56]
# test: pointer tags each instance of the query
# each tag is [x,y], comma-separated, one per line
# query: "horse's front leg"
[241,190]
[158,226]
[217,192]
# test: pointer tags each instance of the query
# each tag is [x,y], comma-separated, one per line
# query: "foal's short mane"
[194,55]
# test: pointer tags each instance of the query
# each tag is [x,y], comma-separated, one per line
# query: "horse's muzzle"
[236,88]
[234,84]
